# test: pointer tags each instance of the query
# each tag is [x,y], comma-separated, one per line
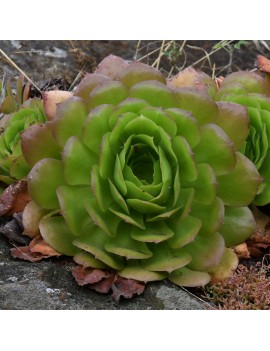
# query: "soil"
[49,284]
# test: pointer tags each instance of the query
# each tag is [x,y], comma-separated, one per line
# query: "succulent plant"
[11,102]
[143,177]
[253,91]
[12,162]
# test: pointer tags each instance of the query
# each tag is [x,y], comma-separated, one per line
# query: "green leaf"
[33,140]
[160,118]
[239,225]
[202,107]
[212,216]
[77,161]
[144,206]
[107,221]
[239,187]
[101,190]
[164,259]
[69,119]
[153,233]
[216,149]
[43,180]
[185,157]
[88,83]
[154,92]
[133,270]
[128,105]
[116,139]
[134,218]
[111,92]
[187,125]
[93,241]
[106,158]
[86,259]
[205,252]
[189,277]
[185,231]
[233,119]
[205,185]
[57,234]
[95,126]
[137,72]
[71,199]
[124,245]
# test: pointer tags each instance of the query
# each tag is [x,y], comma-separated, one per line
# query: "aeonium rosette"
[12,163]
[253,91]
[143,178]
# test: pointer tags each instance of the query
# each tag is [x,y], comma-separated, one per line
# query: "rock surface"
[49,285]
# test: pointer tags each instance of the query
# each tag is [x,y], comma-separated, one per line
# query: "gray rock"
[49,285]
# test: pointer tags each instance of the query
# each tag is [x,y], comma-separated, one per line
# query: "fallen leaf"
[126,288]
[242,250]
[26,254]
[88,275]
[263,64]
[104,285]
[14,198]
[13,232]
[38,245]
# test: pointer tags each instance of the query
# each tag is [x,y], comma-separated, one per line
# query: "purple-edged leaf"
[202,107]
[70,116]
[111,66]
[239,187]
[137,72]
[88,83]
[33,140]
[233,119]
[206,252]
[216,149]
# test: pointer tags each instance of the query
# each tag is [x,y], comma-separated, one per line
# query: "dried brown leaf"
[38,245]
[242,251]
[14,198]
[85,276]
[126,288]
[104,285]
[263,64]
[24,253]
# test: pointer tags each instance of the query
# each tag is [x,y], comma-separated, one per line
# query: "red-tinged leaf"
[24,253]
[126,288]
[104,285]
[14,198]
[263,64]
[111,66]
[52,99]
[38,245]
[88,275]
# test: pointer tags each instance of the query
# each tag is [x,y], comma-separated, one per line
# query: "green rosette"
[141,176]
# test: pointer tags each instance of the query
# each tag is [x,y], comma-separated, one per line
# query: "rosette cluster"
[253,91]
[143,177]
[12,164]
